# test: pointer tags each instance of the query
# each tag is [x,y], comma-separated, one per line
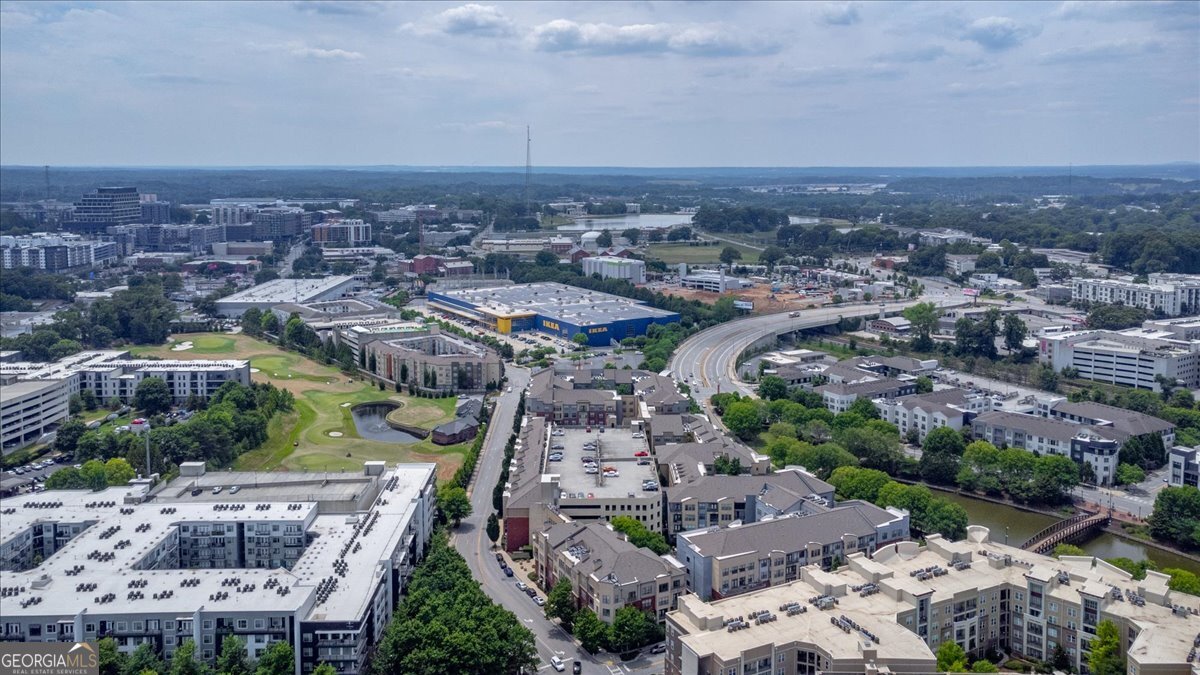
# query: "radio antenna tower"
[528,166]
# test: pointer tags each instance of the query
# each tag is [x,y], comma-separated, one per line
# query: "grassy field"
[682,253]
[319,435]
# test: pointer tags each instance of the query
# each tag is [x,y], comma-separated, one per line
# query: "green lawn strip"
[282,432]
[677,253]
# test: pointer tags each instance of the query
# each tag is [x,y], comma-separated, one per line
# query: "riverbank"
[1023,528]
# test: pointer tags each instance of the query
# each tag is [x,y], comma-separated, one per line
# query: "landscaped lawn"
[683,253]
[302,440]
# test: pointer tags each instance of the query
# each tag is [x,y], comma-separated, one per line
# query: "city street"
[471,541]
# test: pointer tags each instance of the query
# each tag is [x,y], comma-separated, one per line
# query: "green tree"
[1145,451]
[984,666]
[454,503]
[1015,332]
[545,259]
[1067,549]
[1105,657]
[1176,516]
[822,460]
[856,483]
[1130,474]
[278,659]
[1184,581]
[1059,658]
[184,662]
[864,407]
[632,235]
[93,475]
[605,239]
[117,471]
[270,323]
[233,659]
[143,659]
[743,419]
[951,658]
[591,631]
[111,661]
[152,396]
[730,254]
[580,339]
[631,628]
[924,384]
[68,435]
[324,669]
[252,321]
[923,317]
[493,528]
[560,603]
[639,536]
[772,388]
[941,455]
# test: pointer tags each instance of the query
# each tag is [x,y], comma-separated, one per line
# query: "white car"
[558,664]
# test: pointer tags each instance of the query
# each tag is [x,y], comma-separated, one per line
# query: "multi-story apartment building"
[1184,467]
[1171,294]
[725,561]
[156,212]
[279,222]
[1133,358]
[922,413]
[1094,446]
[719,501]
[606,571]
[890,612]
[576,404]
[54,252]
[348,231]
[840,396]
[318,561]
[106,206]
[232,214]
[34,395]
[1124,424]
[434,362]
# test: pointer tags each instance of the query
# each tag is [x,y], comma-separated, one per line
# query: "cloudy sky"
[602,84]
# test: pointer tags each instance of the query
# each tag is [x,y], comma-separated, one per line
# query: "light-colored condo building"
[34,397]
[1171,294]
[434,362]
[316,560]
[890,612]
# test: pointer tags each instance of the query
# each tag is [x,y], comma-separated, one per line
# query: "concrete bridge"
[1071,530]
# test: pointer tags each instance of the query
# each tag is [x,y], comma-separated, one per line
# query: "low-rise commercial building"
[891,611]
[315,560]
[278,291]
[725,561]
[611,267]
[714,282]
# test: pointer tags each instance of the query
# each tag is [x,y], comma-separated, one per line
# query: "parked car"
[659,648]
[539,601]
[521,585]
[508,571]
[196,491]
[576,668]
[641,453]
[499,556]
[217,490]
[557,664]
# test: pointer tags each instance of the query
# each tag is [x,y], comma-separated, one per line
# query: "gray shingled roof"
[1128,422]
[1039,426]
[790,533]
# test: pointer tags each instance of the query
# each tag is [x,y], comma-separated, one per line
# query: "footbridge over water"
[1073,529]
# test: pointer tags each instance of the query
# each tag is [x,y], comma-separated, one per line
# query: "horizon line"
[521,168]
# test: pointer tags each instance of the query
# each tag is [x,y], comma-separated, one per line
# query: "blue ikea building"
[552,308]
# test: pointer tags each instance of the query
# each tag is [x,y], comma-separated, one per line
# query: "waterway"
[1019,526]
[644,221]
[371,422]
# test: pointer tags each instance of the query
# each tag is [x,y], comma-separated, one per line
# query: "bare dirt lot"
[761,296]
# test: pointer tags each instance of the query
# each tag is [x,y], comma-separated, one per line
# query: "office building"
[349,231]
[553,308]
[106,206]
[611,267]
[606,571]
[155,212]
[890,612]
[1132,358]
[35,396]
[1094,447]
[740,558]
[278,291]
[278,223]
[433,362]
[958,265]
[1171,294]
[714,282]
[1181,328]
[316,560]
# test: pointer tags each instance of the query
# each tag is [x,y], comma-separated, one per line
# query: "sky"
[655,84]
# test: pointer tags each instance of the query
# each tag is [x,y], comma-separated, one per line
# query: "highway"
[706,360]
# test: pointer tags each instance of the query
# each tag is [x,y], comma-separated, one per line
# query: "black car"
[530,591]
[499,556]
[508,571]
[577,668]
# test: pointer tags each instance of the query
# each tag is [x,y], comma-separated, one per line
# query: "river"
[1021,525]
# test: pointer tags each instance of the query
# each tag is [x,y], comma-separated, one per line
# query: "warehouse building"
[612,267]
[315,560]
[278,291]
[557,309]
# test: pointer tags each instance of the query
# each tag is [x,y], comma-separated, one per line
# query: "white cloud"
[340,7]
[817,75]
[301,50]
[986,88]
[1121,10]
[1104,51]
[563,35]
[473,19]
[997,33]
[917,55]
[839,14]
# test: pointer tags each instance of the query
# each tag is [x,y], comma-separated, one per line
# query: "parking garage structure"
[621,482]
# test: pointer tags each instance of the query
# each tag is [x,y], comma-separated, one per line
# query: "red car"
[641,453]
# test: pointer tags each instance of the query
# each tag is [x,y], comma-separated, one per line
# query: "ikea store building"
[552,308]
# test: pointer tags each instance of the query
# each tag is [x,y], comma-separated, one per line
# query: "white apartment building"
[1184,465]
[1172,294]
[316,560]
[233,214]
[926,412]
[345,231]
[1131,358]
[34,396]
[612,267]
[54,252]
[1091,445]
[891,611]
[959,265]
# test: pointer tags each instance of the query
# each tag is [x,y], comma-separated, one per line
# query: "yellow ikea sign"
[602,329]
[550,324]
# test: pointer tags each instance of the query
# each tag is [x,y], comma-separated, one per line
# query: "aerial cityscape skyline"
[607,84]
